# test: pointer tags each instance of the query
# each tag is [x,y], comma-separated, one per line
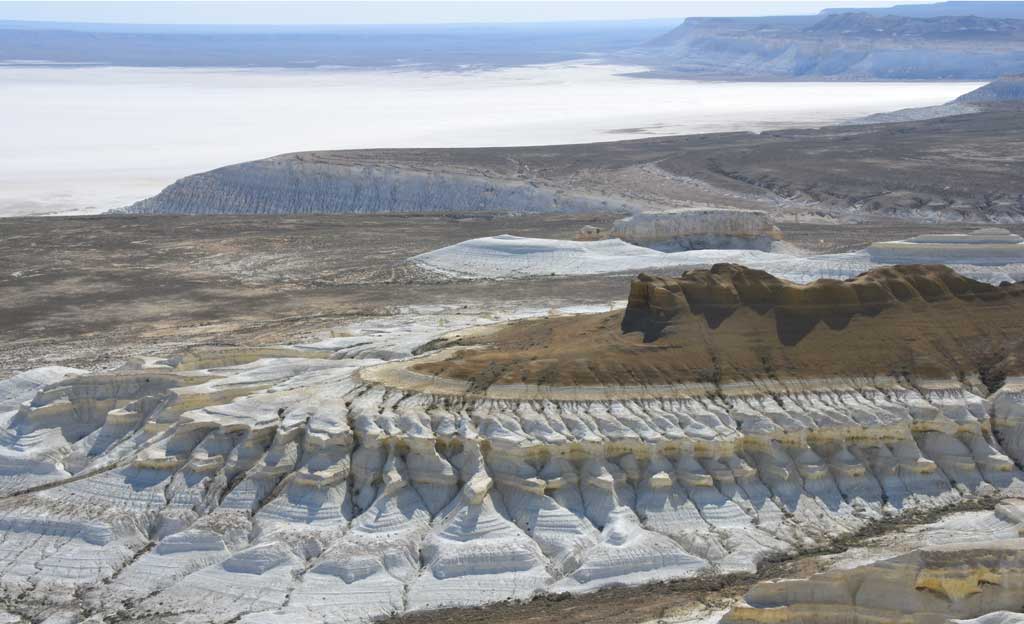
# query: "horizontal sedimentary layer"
[289,484]
[343,481]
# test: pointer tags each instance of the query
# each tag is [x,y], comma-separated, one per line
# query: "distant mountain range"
[980,8]
[890,44]
[943,41]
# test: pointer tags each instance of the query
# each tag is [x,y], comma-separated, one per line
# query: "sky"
[403,11]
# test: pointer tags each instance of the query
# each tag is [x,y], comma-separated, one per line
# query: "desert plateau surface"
[704,321]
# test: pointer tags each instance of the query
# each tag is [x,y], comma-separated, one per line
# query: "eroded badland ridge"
[335,481]
[552,383]
[959,168]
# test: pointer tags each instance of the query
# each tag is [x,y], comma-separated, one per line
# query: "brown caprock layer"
[731,323]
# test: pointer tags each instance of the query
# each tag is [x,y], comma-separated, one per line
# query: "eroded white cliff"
[306,484]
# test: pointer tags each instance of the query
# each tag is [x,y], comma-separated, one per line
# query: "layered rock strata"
[340,481]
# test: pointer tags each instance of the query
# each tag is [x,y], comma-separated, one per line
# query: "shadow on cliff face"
[731,324]
[717,293]
[791,324]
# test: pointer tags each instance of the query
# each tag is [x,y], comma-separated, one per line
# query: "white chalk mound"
[506,256]
[986,246]
[286,484]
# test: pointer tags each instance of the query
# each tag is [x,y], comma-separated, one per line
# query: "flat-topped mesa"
[734,324]
[986,246]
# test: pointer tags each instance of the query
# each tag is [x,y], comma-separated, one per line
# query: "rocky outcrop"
[719,292]
[933,585]
[731,324]
[698,229]
[297,184]
[337,481]
[316,494]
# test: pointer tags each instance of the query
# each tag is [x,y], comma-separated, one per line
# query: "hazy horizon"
[406,12]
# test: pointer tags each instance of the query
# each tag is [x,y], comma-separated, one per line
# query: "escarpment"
[849,45]
[348,479]
[962,169]
[732,324]
[302,184]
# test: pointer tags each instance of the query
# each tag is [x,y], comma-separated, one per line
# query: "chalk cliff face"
[296,184]
[345,480]
[849,45]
